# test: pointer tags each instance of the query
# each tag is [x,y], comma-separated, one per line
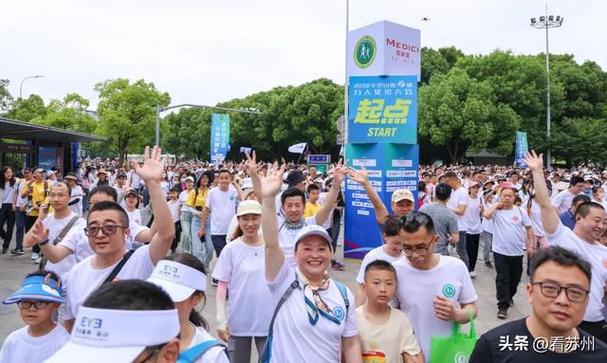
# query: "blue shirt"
[568,219]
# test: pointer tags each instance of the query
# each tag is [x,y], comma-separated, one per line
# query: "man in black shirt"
[558,293]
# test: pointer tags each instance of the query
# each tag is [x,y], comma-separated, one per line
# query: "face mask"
[183,180]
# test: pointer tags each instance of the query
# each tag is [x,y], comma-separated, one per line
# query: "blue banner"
[382,109]
[220,137]
[390,167]
[521,149]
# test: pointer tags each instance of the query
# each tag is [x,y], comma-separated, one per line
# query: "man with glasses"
[558,293]
[107,230]
[433,290]
[60,227]
[584,240]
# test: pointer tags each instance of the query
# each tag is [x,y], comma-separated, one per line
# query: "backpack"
[266,354]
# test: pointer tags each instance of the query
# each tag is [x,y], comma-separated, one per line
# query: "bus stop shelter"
[26,144]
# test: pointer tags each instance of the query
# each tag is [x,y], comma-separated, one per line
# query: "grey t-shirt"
[444,220]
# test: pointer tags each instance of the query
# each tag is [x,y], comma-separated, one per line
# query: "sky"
[208,51]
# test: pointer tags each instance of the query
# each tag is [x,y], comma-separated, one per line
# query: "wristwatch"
[42,243]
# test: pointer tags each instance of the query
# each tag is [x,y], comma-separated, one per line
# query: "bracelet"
[42,243]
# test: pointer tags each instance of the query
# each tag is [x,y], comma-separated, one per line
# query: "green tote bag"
[456,348]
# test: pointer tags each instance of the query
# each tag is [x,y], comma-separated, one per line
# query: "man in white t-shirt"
[60,259]
[107,230]
[76,193]
[457,203]
[315,320]
[562,201]
[433,290]
[511,232]
[220,205]
[583,240]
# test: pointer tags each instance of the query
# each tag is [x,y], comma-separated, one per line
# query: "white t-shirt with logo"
[472,215]
[20,346]
[287,237]
[242,267]
[509,231]
[223,208]
[83,279]
[458,198]
[213,355]
[295,339]
[375,254]
[596,255]
[417,288]
[75,237]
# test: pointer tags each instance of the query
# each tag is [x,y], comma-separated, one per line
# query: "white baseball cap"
[178,280]
[107,335]
[248,207]
[313,230]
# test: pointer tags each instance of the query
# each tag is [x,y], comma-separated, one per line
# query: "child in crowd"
[390,251]
[38,299]
[175,207]
[386,333]
[312,205]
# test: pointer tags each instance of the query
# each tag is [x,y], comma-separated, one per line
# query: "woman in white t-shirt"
[183,277]
[472,219]
[240,268]
[314,319]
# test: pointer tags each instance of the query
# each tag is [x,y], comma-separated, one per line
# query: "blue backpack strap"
[344,293]
[266,354]
[191,355]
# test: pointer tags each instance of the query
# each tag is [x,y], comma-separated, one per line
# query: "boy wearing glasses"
[558,292]
[38,298]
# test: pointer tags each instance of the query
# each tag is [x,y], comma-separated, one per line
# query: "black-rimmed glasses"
[553,290]
[108,229]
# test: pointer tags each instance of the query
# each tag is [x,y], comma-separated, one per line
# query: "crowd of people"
[124,254]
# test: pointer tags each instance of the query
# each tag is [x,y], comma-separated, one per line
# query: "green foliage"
[27,109]
[127,113]
[69,113]
[460,112]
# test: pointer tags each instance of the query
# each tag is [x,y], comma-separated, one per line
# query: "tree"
[460,112]
[187,133]
[127,113]
[5,97]
[69,113]
[27,109]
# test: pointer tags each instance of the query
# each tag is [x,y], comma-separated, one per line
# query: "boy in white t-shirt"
[390,251]
[38,299]
[386,333]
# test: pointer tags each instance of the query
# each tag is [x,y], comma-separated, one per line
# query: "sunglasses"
[108,229]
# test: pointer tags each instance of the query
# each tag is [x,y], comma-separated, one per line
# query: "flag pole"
[303,151]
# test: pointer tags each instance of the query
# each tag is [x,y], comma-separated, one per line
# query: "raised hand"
[152,165]
[272,182]
[39,233]
[533,161]
[250,165]
[360,176]
[339,173]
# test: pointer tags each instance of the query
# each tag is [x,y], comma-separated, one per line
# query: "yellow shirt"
[39,196]
[385,343]
[200,199]
[311,209]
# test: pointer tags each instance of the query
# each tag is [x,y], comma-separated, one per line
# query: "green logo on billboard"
[449,290]
[365,51]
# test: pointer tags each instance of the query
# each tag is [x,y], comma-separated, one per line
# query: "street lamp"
[25,79]
[546,22]
[159,109]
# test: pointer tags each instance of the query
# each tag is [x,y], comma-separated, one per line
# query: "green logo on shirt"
[449,290]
